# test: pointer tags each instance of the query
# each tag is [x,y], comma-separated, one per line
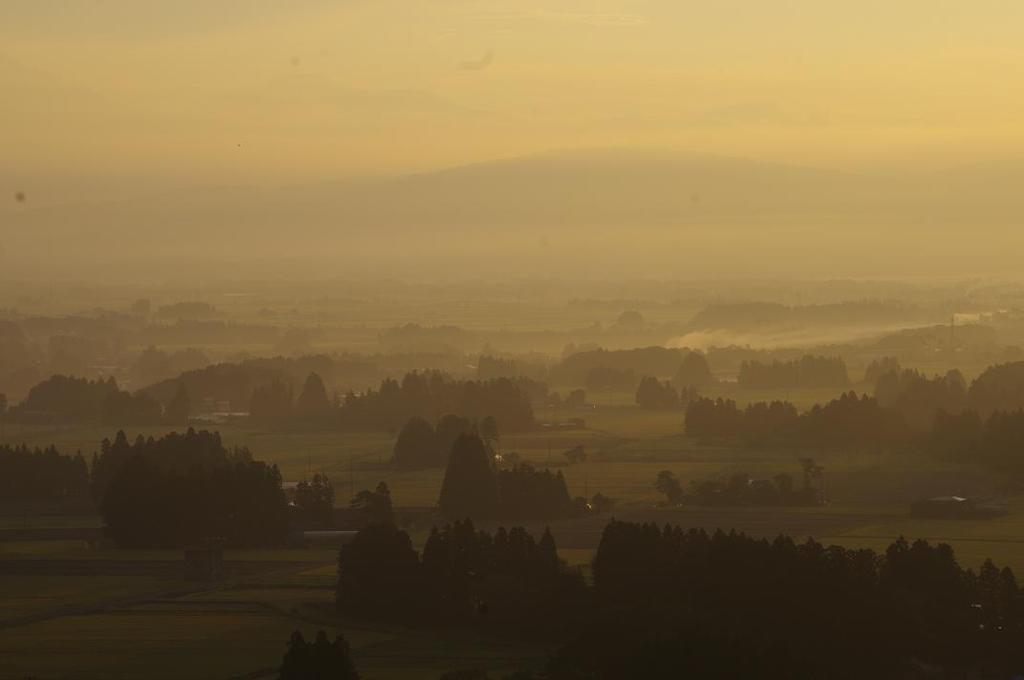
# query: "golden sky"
[263,91]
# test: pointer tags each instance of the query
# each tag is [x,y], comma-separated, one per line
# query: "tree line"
[653,394]
[850,421]
[669,602]
[427,395]
[807,371]
[818,611]
[42,475]
[173,491]
[742,489]
[909,411]
[463,575]
[422,445]
[432,394]
[586,367]
[71,399]
[476,486]
[919,397]
[320,659]
[996,442]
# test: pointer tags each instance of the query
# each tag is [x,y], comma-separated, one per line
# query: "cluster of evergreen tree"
[998,388]
[470,486]
[742,489]
[879,367]
[71,399]
[422,445]
[807,371]
[526,493]
[373,507]
[667,602]
[236,382]
[849,421]
[576,367]
[463,575]
[528,368]
[488,367]
[919,398]
[314,502]
[42,474]
[825,606]
[317,660]
[654,394]
[275,404]
[124,408]
[694,372]
[68,397]
[996,442]
[431,395]
[176,451]
[912,602]
[474,487]
[185,488]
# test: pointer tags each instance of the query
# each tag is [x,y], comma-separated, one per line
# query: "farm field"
[85,619]
[124,614]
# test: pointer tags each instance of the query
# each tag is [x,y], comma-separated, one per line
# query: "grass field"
[79,619]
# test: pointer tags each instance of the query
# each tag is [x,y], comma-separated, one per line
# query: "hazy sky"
[243,91]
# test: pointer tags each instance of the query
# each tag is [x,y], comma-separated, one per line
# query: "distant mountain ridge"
[568,196]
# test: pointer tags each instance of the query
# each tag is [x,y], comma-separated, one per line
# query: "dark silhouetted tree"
[374,507]
[527,493]
[313,403]
[417,446]
[379,574]
[42,475]
[319,660]
[879,367]
[314,501]
[448,429]
[654,394]
[694,372]
[807,371]
[470,488]
[185,488]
